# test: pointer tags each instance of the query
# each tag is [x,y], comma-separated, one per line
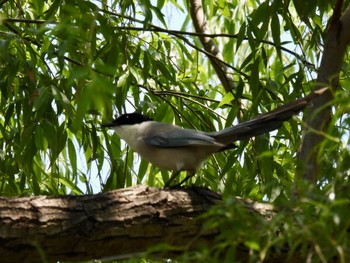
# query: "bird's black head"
[127,119]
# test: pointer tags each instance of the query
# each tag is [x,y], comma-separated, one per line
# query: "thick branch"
[337,40]
[200,25]
[119,224]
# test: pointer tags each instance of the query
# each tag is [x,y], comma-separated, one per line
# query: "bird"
[173,148]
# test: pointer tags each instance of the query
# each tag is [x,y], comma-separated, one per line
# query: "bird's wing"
[180,138]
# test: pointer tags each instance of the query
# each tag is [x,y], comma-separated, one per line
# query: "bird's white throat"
[131,134]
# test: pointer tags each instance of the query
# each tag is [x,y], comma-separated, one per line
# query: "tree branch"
[319,115]
[120,224]
[216,35]
[200,25]
[177,33]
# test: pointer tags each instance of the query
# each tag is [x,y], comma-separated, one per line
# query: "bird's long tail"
[265,122]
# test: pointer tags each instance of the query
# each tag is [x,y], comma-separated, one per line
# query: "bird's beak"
[108,124]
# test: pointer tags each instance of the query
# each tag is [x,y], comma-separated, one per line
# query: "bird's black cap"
[127,119]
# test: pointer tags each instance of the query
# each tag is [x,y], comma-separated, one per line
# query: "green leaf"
[70,185]
[226,99]
[159,14]
[241,35]
[72,157]
[252,245]
[142,171]
[43,99]
[276,33]
[40,140]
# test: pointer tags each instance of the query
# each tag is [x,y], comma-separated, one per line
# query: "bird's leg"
[188,176]
[173,176]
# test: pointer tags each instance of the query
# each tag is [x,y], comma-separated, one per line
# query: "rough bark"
[318,118]
[119,224]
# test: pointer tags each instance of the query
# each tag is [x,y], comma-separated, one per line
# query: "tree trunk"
[319,115]
[121,224]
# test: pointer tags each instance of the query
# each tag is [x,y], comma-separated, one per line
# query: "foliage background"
[68,66]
